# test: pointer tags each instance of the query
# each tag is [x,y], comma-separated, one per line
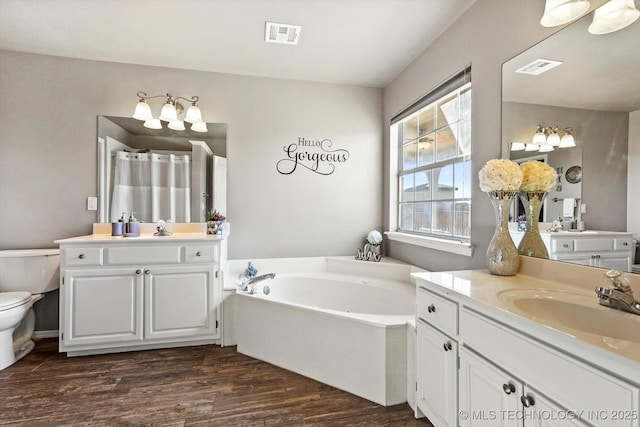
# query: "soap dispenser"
[133,226]
[118,228]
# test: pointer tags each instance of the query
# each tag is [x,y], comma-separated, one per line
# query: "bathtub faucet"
[250,284]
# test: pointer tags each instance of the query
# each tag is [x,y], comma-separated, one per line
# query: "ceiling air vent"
[282,33]
[538,66]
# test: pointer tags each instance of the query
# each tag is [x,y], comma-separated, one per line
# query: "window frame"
[458,84]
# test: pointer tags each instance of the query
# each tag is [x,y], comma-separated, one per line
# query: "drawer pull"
[81,256]
[566,245]
[147,272]
[509,388]
[138,271]
[431,308]
[527,401]
[625,243]
[447,346]
[198,253]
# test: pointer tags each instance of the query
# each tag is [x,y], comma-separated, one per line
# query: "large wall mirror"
[596,92]
[160,174]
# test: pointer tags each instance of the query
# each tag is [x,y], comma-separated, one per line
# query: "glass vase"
[531,243]
[502,255]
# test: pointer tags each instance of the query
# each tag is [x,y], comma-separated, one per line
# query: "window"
[433,139]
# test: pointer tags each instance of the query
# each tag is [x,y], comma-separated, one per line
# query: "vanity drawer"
[622,244]
[583,245]
[437,311]
[127,255]
[562,245]
[200,253]
[569,382]
[82,256]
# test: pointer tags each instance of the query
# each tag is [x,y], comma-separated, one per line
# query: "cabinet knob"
[431,308]
[198,253]
[625,243]
[527,401]
[509,388]
[81,256]
[138,271]
[447,346]
[147,272]
[566,245]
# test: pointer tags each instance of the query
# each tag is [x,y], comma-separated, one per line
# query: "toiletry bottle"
[133,226]
[118,228]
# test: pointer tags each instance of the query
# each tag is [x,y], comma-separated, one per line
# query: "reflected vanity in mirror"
[594,95]
[160,174]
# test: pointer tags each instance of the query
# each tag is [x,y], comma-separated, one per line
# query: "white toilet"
[25,275]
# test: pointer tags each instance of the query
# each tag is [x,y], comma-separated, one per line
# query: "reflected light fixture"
[518,146]
[169,113]
[558,12]
[613,16]
[547,137]
[567,140]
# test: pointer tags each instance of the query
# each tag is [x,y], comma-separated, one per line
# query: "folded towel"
[568,207]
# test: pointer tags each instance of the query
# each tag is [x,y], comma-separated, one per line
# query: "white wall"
[488,34]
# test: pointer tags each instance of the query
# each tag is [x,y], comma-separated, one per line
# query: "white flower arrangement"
[500,175]
[374,237]
[537,177]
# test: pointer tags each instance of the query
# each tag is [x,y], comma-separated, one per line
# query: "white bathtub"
[345,330]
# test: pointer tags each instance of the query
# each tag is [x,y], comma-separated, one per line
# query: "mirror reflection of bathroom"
[159,174]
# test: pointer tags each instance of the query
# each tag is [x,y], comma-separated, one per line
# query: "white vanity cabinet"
[437,358]
[502,370]
[118,295]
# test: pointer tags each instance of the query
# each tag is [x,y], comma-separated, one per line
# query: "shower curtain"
[154,186]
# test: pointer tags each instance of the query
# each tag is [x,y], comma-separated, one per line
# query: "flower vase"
[531,243]
[502,255]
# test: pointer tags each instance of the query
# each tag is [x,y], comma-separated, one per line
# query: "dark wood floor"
[205,385]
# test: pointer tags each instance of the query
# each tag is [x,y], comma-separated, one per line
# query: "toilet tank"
[31,270]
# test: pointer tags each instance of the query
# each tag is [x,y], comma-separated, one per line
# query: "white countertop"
[480,290]
[144,237]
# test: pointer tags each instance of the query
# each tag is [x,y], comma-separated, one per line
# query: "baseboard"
[45,334]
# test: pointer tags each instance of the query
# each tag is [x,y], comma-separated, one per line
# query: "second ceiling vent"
[282,33]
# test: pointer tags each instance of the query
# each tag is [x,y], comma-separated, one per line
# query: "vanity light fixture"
[518,146]
[558,12]
[169,113]
[547,137]
[613,16]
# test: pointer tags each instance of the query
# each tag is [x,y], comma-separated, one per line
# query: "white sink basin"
[577,311]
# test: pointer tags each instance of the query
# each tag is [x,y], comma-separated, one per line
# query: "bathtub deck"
[205,385]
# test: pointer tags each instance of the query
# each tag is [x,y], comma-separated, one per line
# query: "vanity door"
[101,306]
[180,302]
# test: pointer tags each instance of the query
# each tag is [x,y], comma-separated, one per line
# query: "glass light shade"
[517,146]
[539,138]
[193,115]
[169,113]
[143,111]
[613,16]
[558,12]
[176,125]
[153,124]
[553,139]
[567,141]
[532,147]
[199,127]
[546,148]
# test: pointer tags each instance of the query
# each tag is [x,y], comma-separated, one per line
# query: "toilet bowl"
[25,275]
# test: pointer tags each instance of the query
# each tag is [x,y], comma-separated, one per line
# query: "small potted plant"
[214,222]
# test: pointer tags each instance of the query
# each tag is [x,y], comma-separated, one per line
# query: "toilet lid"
[13,299]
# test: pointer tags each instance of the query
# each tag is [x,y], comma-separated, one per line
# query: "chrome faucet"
[250,284]
[620,295]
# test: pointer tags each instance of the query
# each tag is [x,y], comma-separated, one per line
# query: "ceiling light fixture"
[282,33]
[613,16]
[169,113]
[558,12]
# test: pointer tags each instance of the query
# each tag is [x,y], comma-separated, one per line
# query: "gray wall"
[488,34]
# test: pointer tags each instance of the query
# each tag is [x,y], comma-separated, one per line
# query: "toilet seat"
[9,300]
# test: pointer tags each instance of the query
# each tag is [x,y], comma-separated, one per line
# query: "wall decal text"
[314,155]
